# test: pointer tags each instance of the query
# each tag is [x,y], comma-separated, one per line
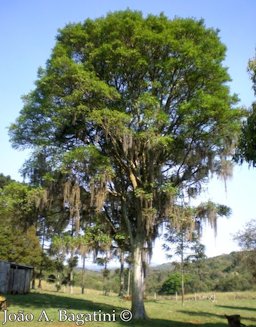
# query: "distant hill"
[231,261]
[168,266]
[227,272]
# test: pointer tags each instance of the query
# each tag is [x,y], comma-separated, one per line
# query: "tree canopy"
[246,150]
[135,111]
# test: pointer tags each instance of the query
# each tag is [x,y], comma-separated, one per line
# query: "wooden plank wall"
[14,278]
[10,282]
[4,276]
[28,279]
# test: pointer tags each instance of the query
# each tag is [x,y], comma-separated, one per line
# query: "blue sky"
[28,30]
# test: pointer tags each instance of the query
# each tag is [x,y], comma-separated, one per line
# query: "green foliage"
[15,204]
[246,238]
[18,214]
[20,246]
[144,92]
[197,285]
[172,285]
[4,180]
[233,282]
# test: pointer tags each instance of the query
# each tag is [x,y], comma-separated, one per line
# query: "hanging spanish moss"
[225,171]
[149,218]
[127,142]
[183,219]
[72,200]
[99,190]
[41,199]
[209,212]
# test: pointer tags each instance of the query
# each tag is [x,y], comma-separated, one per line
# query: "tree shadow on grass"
[201,313]
[45,301]
[236,307]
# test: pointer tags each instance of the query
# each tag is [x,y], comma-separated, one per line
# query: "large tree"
[134,110]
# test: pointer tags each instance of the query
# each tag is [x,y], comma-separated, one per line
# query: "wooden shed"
[15,278]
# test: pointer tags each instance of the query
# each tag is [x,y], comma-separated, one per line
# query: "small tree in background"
[183,240]
[246,239]
[172,285]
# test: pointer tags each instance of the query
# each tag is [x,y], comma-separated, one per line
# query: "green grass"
[162,312]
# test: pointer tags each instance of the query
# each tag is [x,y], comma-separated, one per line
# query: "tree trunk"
[182,287]
[182,270]
[83,272]
[129,281]
[40,278]
[71,280]
[41,264]
[58,286]
[121,289]
[138,308]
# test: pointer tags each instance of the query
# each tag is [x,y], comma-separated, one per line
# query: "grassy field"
[162,312]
